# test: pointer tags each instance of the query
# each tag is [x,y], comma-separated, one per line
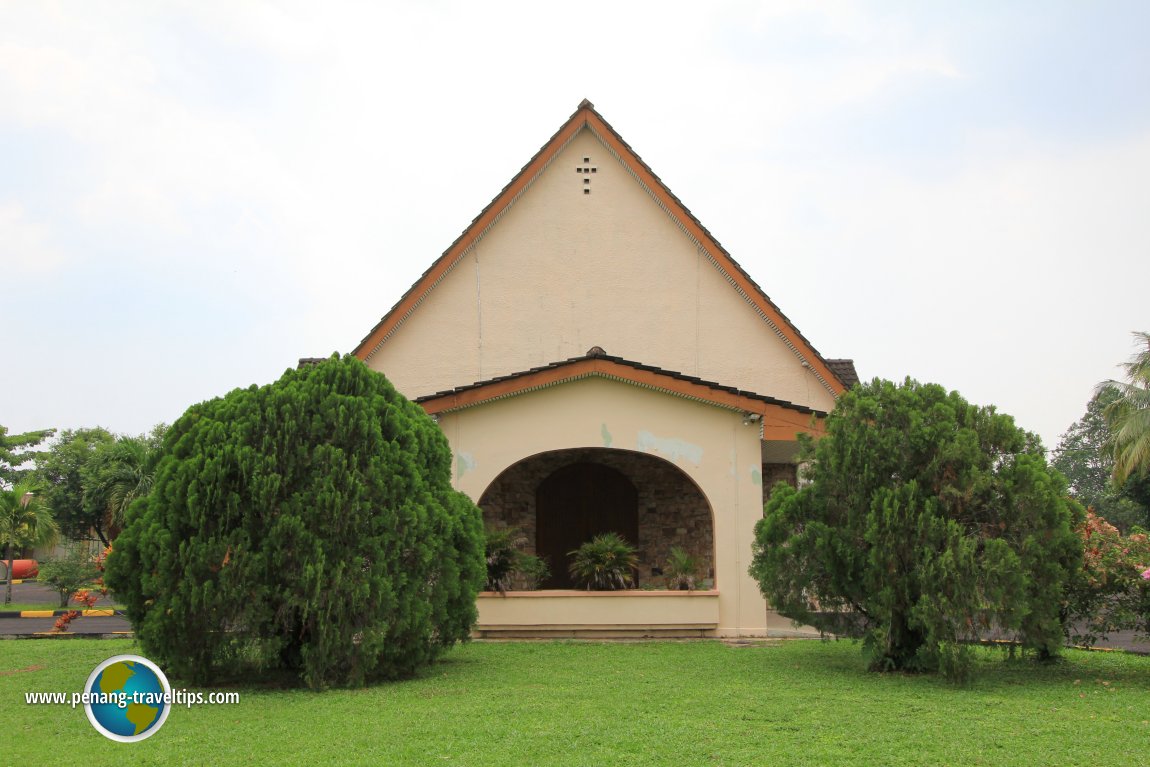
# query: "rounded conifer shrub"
[309,526]
[927,523]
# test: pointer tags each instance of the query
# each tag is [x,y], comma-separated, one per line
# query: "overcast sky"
[194,195]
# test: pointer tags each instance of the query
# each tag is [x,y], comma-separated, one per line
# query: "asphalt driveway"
[38,594]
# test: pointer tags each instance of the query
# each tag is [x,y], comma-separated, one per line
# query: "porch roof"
[776,413]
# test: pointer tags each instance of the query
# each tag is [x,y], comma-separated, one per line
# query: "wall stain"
[672,448]
[464,462]
[606,436]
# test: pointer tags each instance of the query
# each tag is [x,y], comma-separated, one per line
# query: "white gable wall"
[562,271]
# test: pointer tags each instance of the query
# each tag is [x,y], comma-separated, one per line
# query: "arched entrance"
[576,503]
[559,499]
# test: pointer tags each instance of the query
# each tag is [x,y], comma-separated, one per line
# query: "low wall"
[597,614]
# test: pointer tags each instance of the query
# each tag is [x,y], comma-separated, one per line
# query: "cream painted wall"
[563,271]
[710,444]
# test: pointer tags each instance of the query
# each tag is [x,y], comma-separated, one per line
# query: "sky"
[194,195]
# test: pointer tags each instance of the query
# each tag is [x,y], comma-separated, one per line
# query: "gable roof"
[845,370]
[585,116]
[780,419]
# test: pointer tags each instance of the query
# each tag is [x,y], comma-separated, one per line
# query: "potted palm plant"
[681,570]
[607,562]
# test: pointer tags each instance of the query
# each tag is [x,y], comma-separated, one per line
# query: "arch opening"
[559,499]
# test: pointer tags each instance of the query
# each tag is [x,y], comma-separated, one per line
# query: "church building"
[599,363]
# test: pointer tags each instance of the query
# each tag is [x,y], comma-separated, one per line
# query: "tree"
[926,522]
[1129,416]
[15,451]
[1083,457]
[1137,489]
[1113,590]
[69,573]
[308,526]
[25,521]
[61,470]
[116,474]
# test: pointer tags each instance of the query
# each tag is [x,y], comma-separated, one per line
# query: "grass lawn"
[656,703]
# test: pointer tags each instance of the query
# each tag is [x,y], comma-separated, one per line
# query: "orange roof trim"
[586,116]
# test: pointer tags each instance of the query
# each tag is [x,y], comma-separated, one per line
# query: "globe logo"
[127,698]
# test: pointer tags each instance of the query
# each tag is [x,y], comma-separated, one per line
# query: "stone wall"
[672,510]
[776,472]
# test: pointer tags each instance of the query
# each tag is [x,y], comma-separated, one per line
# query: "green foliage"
[500,549]
[605,563]
[91,476]
[25,521]
[508,567]
[1082,456]
[1129,416]
[530,571]
[681,570]
[15,451]
[309,526]
[927,521]
[1137,489]
[62,471]
[68,573]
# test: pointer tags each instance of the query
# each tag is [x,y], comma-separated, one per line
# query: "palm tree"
[25,520]
[119,473]
[1129,415]
[125,476]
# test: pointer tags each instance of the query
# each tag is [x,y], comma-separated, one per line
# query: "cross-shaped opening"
[585,170]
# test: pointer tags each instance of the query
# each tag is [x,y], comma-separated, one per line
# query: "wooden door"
[576,503]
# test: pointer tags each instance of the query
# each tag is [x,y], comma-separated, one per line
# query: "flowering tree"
[1113,590]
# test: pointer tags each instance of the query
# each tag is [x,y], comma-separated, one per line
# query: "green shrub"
[308,525]
[68,573]
[508,567]
[927,523]
[500,550]
[530,571]
[607,562]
